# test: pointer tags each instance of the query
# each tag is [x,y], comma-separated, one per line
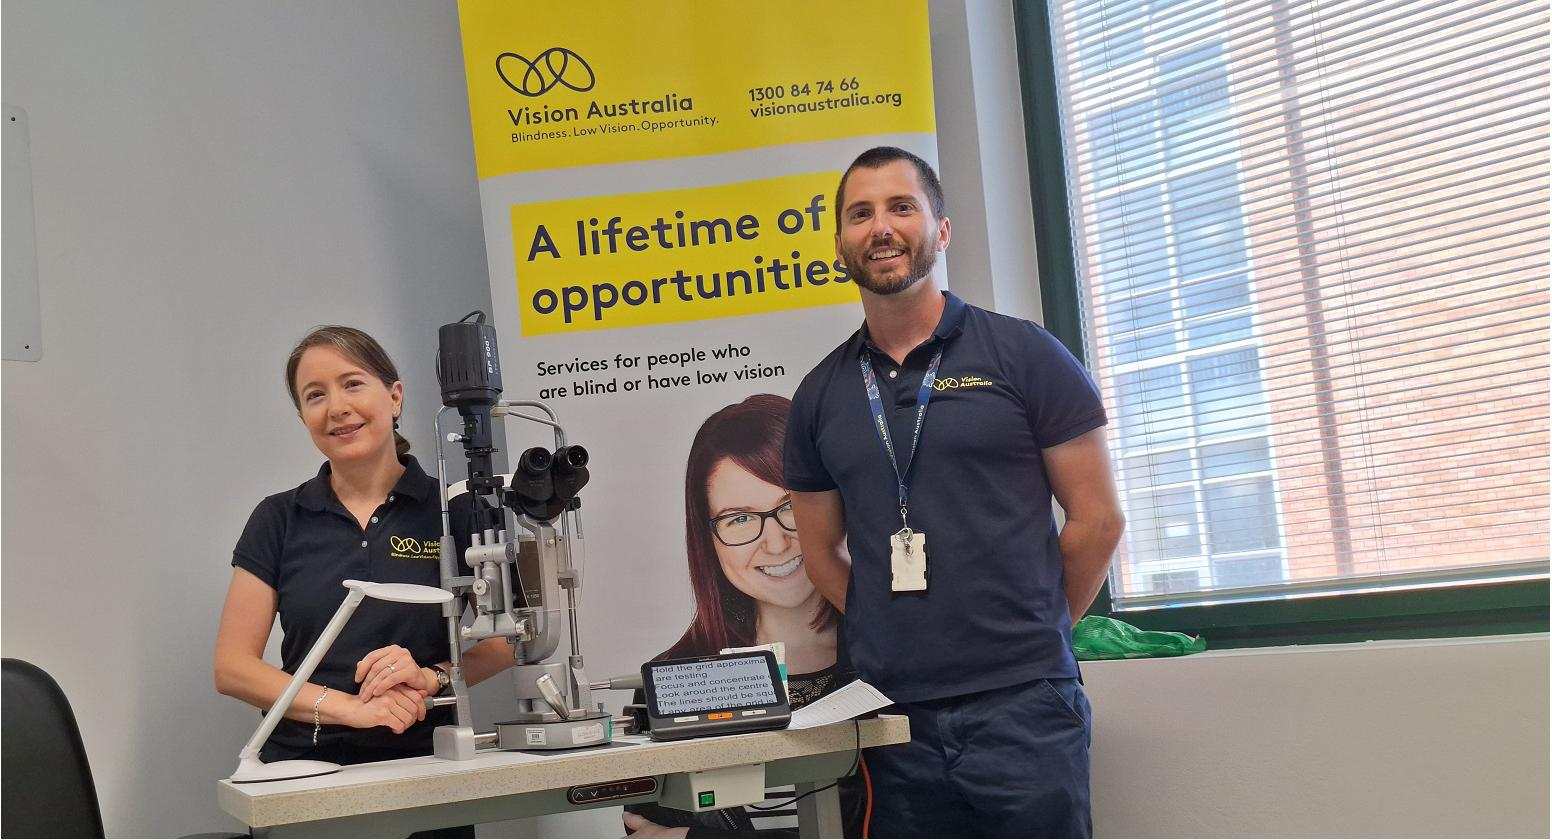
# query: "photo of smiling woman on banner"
[746,571]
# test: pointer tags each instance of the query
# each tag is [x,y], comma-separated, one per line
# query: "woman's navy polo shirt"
[304,544]
[995,610]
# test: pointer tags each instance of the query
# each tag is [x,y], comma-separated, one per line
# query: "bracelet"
[317,721]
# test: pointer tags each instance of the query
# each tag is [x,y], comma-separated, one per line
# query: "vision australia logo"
[409,548]
[553,68]
[953,382]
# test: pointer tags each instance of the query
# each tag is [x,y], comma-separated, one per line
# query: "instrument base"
[591,731]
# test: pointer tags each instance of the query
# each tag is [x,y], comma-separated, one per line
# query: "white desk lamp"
[249,767]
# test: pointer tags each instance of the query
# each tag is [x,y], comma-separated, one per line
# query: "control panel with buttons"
[609,791]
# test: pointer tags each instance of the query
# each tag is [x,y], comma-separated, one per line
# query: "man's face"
[889,237]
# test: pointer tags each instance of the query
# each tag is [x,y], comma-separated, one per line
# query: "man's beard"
[923,258]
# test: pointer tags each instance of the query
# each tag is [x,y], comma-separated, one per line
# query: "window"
[1113,35]
[1303,249]
[1125,142]
[1195,97]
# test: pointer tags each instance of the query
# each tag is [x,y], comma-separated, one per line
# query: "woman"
[746,569]
[372,514]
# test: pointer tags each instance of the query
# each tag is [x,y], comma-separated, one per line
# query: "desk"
[393,798]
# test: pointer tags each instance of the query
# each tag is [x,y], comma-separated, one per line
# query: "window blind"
[1311,242]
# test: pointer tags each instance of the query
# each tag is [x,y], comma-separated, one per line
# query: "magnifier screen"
[695,687]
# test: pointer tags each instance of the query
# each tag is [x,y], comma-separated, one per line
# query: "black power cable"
[857,756]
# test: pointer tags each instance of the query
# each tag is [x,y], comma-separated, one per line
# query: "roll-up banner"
[658,185]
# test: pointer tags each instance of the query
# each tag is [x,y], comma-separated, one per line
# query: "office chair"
[47,782]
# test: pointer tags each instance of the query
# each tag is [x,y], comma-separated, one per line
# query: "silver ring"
[392,666]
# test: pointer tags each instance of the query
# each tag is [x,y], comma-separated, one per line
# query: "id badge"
[908,561]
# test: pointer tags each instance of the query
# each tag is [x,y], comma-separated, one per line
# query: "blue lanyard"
[881,422]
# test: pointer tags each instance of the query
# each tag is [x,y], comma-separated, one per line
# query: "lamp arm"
[277,711]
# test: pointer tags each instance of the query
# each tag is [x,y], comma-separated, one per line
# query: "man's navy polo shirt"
[995,611]
[305,544]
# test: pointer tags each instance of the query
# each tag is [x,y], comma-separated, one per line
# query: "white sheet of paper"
[856,698]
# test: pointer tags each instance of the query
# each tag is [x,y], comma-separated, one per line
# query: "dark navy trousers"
[1009,762]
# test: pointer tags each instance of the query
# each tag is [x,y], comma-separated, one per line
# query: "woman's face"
[769,569]
[347,410]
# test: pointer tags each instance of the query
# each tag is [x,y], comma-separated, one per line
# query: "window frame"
[1453,610]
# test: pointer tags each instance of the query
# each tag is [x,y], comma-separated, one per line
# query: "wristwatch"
[443,680]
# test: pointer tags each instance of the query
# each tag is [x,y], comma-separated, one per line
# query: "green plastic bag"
[1100,637]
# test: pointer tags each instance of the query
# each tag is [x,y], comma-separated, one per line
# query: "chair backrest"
[47,784]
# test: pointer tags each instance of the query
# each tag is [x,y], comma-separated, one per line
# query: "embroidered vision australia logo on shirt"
[967,381]
[409,548]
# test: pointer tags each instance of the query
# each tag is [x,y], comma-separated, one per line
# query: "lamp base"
[254,770]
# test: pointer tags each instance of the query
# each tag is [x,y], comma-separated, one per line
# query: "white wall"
[211,180]
[1383,739]
[982,159]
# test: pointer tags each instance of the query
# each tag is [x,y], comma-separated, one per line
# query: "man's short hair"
[883,155]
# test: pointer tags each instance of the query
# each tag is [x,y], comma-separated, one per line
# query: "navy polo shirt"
[995,611]
[305,544]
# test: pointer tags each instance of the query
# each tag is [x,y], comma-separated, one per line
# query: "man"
[960,595]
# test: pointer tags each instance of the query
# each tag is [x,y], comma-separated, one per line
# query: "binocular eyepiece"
[535,462]
[544,484]
[569,459]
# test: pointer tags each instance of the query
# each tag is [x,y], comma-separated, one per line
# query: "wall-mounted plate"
[21,331]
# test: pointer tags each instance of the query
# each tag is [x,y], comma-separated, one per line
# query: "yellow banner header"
[688,77]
